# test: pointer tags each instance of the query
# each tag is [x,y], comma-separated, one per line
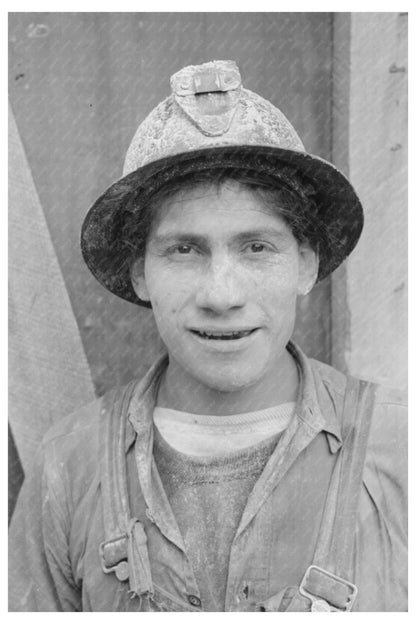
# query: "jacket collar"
[318,405]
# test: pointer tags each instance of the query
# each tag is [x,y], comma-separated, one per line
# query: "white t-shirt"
[207,435]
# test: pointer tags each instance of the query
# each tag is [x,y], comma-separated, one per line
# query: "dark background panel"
[79,85]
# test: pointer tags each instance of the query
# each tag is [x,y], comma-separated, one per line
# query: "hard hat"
[210,121]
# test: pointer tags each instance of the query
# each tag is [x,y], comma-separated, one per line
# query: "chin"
[222,380]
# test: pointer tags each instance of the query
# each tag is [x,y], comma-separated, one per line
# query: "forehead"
[226,208]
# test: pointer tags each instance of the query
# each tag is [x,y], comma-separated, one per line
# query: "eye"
[258,248]
[183,249]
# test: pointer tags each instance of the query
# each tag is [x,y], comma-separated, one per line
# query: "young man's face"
[222,272]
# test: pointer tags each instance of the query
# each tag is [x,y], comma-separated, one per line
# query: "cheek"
[168,287]
[166,297]
[159,286]
[280,284]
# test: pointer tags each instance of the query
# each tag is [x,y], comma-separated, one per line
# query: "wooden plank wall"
[79,86]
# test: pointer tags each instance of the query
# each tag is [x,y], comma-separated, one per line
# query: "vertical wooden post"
[369,324]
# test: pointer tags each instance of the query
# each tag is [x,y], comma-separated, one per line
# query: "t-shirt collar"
[315,407]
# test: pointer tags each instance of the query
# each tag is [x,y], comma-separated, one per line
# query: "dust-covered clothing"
[58,526]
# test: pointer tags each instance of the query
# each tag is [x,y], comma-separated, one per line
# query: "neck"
[178,391]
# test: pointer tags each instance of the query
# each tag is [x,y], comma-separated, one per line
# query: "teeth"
[232,335]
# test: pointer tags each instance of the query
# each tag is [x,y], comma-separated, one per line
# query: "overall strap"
[124,550]
[327,583]
[334,549]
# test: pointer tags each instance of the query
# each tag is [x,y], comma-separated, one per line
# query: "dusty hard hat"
[211,122]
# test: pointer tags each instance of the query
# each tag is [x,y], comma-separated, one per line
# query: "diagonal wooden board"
[49,376]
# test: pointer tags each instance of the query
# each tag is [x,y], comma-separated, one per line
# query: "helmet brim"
[339,208]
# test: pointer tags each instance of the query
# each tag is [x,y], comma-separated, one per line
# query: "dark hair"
[288,199]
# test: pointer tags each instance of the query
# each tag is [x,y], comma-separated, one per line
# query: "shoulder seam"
[51,436]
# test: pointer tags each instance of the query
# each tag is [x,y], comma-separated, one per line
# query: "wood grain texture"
[79,86]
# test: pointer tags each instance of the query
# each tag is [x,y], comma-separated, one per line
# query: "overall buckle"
[327,591]
[113,557]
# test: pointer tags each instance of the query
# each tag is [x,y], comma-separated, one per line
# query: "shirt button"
[194,600]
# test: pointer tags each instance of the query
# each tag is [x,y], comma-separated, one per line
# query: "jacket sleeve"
[383,527]
[40,575]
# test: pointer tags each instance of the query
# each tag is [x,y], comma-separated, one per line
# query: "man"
[237,475]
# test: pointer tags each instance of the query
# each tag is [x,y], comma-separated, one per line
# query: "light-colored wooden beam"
[369,293]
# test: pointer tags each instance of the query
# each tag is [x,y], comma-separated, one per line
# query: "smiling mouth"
[226,335]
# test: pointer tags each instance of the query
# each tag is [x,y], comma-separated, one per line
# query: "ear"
[138,280]
[308,268]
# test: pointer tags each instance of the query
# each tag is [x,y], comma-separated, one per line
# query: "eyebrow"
[187,237]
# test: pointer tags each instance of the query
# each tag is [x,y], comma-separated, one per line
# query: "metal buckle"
[120,567]
[319,603]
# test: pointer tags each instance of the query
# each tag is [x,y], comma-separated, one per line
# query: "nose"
[222,287]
